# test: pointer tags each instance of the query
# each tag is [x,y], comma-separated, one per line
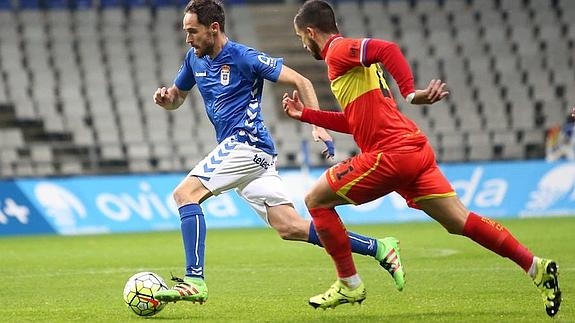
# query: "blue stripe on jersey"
[231,86]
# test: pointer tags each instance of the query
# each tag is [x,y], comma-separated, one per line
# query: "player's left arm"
[390,56]
[309,98]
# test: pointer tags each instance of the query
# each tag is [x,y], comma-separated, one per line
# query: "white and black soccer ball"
[139,293]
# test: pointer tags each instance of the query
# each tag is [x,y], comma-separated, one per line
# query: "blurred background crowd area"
[77,78]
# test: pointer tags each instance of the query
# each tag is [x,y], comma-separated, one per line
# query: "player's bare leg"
[453,215]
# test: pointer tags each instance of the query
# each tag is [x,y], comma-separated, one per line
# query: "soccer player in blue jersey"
[230,78]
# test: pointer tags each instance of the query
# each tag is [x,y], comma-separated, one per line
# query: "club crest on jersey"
[225,75]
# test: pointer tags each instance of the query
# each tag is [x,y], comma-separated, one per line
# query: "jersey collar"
[328,44]
[227,43]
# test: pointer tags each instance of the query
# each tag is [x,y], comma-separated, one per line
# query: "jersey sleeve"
[390,56]
[263,65]
[331,120]
[185,79]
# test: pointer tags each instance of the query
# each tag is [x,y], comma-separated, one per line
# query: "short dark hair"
[318,14]
[208,12]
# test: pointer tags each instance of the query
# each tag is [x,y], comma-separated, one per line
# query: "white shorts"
[248,170]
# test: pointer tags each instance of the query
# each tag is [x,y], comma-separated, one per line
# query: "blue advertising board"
[17,215]
[496,189]
[102,204]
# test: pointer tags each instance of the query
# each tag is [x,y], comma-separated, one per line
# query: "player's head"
[314,18]
[204,21]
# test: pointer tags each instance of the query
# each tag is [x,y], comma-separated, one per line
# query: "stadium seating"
[77,76]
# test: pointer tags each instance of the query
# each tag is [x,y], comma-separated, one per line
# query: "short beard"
[315,51]
[208,49]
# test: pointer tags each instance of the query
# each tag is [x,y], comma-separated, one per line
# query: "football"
[139,293]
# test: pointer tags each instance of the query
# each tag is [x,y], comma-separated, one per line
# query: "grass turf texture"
[253,276]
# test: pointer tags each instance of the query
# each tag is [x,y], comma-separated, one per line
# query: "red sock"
[496,238]
[333,236]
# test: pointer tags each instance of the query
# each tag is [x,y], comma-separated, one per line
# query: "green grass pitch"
[254,276]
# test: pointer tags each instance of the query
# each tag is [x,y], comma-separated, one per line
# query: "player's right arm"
[332,120]
[308,95]
[173,97]
[170,98]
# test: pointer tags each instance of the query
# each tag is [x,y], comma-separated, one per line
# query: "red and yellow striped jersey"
[358,83]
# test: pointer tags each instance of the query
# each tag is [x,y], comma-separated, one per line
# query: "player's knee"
[311,202]
[186,194]
[179,195]
[183,196]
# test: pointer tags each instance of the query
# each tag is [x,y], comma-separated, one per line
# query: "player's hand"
[435,91]
[320,133]
[293,106]
[162,97]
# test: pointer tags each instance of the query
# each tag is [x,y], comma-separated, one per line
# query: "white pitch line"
[440,252]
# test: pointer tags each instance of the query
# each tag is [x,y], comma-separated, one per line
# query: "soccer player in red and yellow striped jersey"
[395,156]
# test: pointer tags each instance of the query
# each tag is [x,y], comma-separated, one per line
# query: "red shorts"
[413,173]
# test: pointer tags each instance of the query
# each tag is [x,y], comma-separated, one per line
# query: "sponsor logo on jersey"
[225,75]
[262,162]
[201,74]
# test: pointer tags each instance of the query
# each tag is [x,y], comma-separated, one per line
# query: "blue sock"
[194,236]
[359,244]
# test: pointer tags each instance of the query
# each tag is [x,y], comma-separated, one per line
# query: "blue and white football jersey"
[231,85]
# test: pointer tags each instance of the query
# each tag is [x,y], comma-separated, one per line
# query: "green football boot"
[546,280]
[190,289]
[338,294]
[388,256]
